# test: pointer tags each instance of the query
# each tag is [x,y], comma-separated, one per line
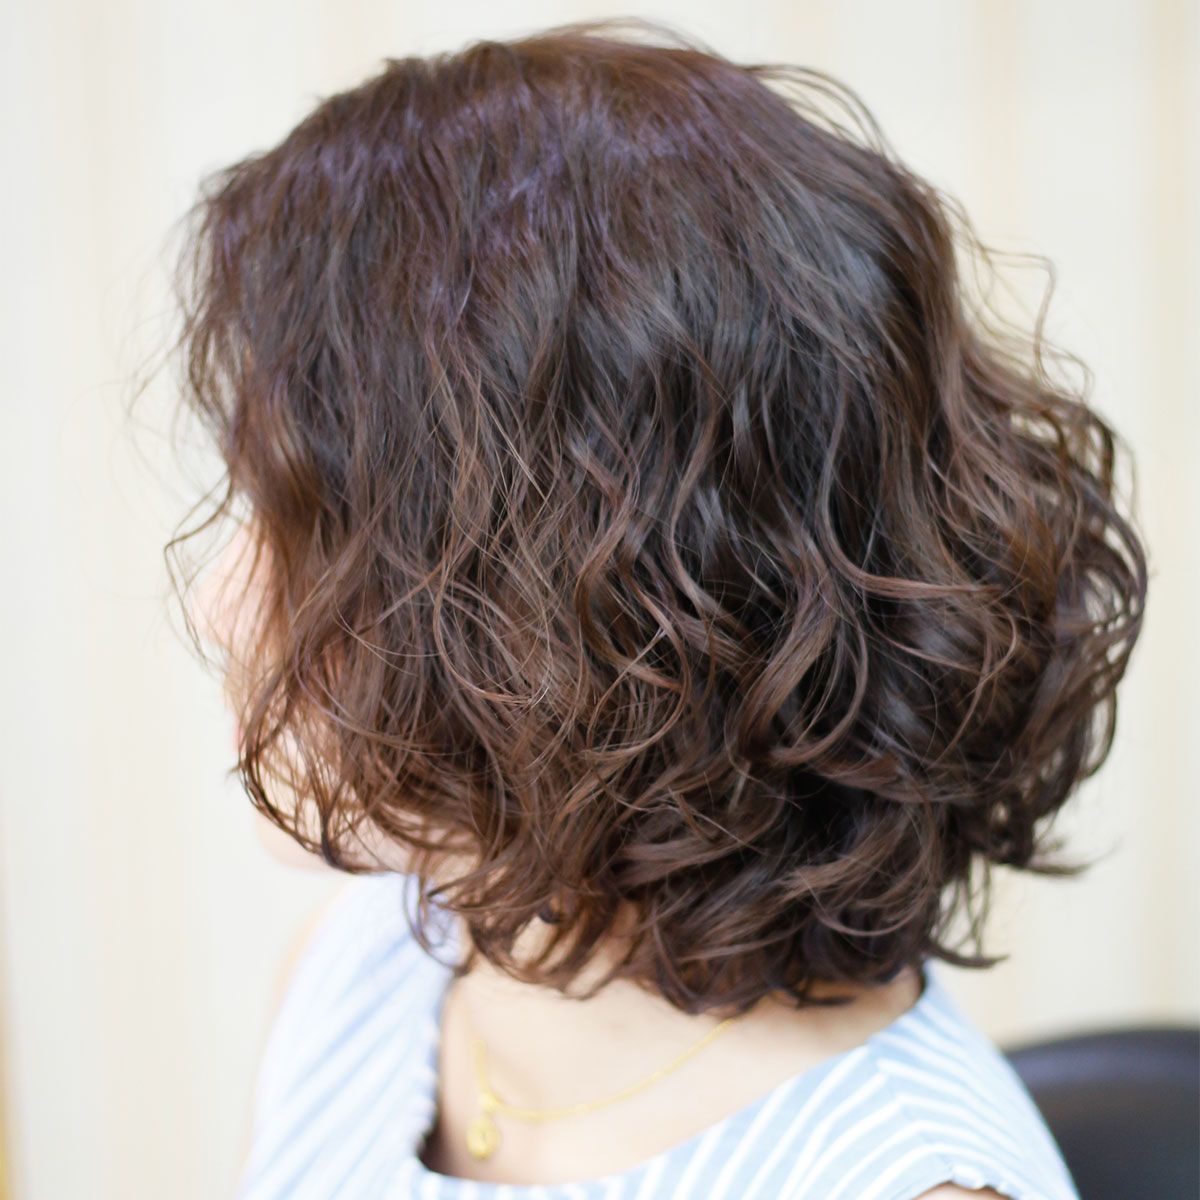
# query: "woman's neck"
[548,1050]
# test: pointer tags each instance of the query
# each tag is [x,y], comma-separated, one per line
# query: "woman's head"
[647,518]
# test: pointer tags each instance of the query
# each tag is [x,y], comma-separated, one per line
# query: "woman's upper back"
[348,1083]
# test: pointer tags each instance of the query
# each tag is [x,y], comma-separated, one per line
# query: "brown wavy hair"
[651,515]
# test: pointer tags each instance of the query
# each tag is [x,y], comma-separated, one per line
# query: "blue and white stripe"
[348,1082]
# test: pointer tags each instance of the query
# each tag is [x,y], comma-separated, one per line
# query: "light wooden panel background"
[142,924]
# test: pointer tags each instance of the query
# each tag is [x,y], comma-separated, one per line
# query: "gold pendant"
[482,1136]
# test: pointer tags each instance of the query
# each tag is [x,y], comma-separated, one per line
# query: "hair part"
[650,516]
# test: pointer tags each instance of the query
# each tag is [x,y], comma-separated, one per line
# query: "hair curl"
[650,515]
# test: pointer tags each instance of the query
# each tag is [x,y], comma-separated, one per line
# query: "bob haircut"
[651,518]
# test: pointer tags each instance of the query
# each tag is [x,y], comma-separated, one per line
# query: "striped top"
[347,1089]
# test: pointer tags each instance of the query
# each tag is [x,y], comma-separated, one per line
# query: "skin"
[549,1050]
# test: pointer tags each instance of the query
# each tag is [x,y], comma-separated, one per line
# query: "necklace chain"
[482,1135]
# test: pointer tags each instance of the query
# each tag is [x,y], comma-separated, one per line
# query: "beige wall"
[142,924]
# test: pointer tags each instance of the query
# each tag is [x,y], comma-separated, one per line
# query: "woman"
[651,573]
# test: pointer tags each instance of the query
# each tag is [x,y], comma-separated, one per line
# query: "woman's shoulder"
[963,1118]
[357,959]
[360,938]
[350,1041]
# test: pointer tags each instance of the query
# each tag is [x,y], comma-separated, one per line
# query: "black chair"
[1124,1107]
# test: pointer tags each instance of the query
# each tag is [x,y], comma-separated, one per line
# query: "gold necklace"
[482,1135]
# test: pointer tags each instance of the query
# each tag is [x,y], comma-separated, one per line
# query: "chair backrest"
[1124,1107]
